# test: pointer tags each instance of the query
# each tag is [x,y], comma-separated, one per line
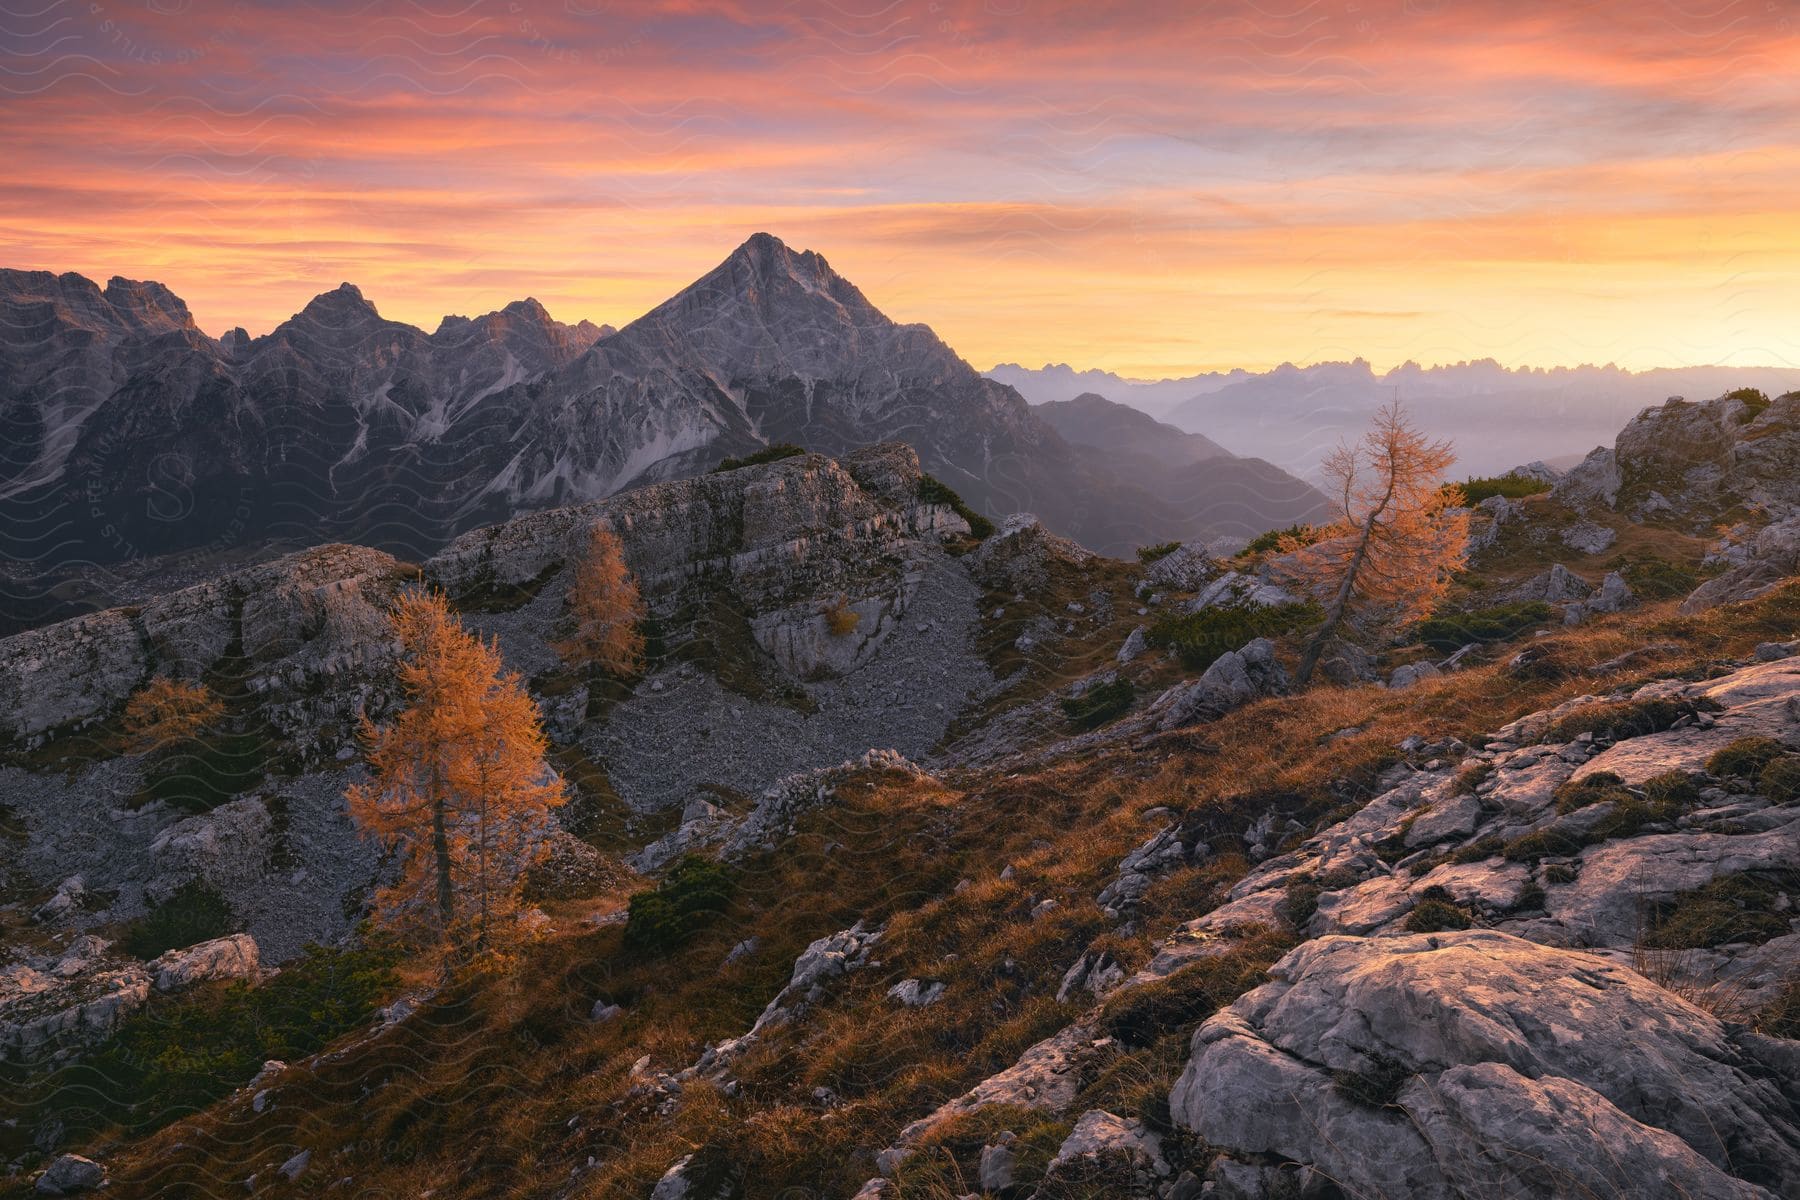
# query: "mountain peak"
[343,303]
[765,255]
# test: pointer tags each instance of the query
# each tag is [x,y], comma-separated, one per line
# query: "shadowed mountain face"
[130,434]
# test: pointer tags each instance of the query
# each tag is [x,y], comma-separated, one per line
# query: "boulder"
[1588,537]
[71,1174]
[1556,585]
[917,993]
[1594,481]
[233,957]
[1242,588]
[1411,673]
[1770,559]
[1107,1151]
[1233,680]
[1021,554]
[1476,1063]
[1185,569]
[228,847]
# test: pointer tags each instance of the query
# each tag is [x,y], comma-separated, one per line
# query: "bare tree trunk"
[440,849]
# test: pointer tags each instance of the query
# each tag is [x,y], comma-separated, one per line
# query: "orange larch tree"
[167,712]
[607,609]
[1396,536]
[459,786]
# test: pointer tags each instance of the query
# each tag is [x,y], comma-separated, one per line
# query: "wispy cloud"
[1148,187]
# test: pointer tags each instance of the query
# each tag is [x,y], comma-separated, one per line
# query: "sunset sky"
[1155,189]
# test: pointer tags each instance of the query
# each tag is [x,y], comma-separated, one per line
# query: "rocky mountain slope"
[1029,889]
[130,434]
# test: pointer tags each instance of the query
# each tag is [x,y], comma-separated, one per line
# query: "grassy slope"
[504,1087]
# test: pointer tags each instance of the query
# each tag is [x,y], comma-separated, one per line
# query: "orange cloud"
[1153,188]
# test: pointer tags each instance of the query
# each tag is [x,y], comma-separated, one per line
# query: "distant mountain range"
[1498,417]
[126,432]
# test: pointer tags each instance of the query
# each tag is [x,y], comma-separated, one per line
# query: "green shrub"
[1754,402]
[1435,916]
[1732,908]
[1098,705]
[1452,631]
[1623,719]
[1672,790]
[1470,778]
[1588,790]
[1303,892]
[1746,758]
[179,1054]
[1262,543]
[1780,780]
[931,491]
[1653,578]
[192,913]
[686,900]
[1561,873]
[767,454]
[1149,554]
[1141,1015]
[1199,638]
[1513,487]
[199,774]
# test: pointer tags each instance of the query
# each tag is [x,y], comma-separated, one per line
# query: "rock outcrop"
[1456,1064]
[785,545]
[284,628]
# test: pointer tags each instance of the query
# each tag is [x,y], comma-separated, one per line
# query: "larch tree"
[458,784]
[167,712]
[607,610]
[1396,536]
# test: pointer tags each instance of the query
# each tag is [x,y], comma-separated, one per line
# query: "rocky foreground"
[1020,899]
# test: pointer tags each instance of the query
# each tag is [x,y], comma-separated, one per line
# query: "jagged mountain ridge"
[1498,417]
[132,434]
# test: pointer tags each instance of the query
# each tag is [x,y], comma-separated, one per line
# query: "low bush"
[1513,487]
[1448,632]
[1149,554]
[1780,780]
[1653,578]
[193,913]
[1621,719]
[1746,758]
[841,619]
[178,1054]
[1262,543]
[1199,638]
[1435,916]
[1098,705]
[932,491]
[1139,1016]
[1733,908]
[767,454]
[199,774]
[1303,892]
[1754,402]
[685,901]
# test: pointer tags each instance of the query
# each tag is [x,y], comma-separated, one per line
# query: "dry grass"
[497,1091]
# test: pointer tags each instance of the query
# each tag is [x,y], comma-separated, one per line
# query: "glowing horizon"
[1143,190]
